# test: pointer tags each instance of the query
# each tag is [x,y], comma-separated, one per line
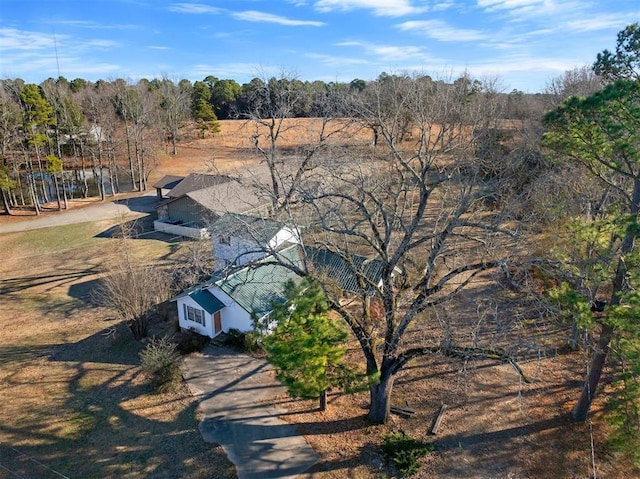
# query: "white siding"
[234,316]
[207,330]
[197,233]
[234,252]
[285,235]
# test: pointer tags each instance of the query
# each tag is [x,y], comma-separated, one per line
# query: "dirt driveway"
[94,212]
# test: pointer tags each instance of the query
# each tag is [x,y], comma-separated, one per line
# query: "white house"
[238,239]
[232,302]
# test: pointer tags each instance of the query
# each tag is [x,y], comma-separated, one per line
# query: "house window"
[193,314]
[225,239]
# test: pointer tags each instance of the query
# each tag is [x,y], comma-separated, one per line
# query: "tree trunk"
[57,187]
[581,408]
[64,191]
[323,400]
[21,191]
[100,177]
[45,196]
[381,399]
[6,203]
[130,157]
[85,185]
[34,195]
[139,326]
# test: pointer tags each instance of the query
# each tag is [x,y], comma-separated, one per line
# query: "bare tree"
[132,288]
[10,135]
[174,101]
[415,211]
[103,140]
[135,105]
[269,107]
[581,81]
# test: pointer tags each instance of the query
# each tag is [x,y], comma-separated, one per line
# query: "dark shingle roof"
[197,181]
[251,228]
[207,300]
[168,182]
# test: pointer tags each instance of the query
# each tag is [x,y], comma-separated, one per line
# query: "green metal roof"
[346,272]
[250,228]
[257,287]
[208,301]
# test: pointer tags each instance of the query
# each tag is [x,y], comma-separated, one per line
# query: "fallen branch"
[402,412]
[438,420]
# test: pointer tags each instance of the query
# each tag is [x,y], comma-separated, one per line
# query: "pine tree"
[307,346]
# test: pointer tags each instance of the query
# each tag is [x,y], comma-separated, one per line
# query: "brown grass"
[73,398]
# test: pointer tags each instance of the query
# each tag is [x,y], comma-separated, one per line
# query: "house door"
[217,322]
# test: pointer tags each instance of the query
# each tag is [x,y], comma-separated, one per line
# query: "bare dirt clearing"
[74,399]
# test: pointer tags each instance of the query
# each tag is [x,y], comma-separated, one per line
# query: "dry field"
[72,397]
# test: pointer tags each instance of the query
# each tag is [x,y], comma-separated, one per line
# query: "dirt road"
[144,204]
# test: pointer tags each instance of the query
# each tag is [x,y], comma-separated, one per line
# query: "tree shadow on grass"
[112,425]
[20,284]
[113,345]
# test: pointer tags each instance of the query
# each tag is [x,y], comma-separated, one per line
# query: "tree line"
[79,138]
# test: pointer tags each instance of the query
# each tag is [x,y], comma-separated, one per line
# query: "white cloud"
[601,22]
[13,39]
[96,25]
[335,61]
[195,8]
[440,31]
[35,67]
[443,5]
[524,9]
[39,54]
[387,52]
[101,43]
[255,16]
[158,47]
[382,8]
[494,5]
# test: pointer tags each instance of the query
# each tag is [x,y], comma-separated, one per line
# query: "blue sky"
[524,43]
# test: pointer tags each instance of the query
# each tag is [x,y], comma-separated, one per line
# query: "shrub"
[248,341]
[160,362]
[404,451]
[190,341]
[251,342]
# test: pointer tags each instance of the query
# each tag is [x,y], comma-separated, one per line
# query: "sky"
[521,44]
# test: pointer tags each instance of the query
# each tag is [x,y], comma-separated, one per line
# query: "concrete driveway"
[235,393]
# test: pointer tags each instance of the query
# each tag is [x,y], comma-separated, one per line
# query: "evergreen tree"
[202,109]
[307,347]
[602,133]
